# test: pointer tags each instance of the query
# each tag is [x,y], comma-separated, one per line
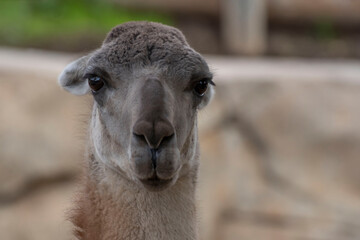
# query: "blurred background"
[280,142]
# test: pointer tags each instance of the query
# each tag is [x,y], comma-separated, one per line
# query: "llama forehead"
[172,64]
[177,73]
[144,30]
[146,43]
[138,49]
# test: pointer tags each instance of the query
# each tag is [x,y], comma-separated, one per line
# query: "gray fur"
[147,103]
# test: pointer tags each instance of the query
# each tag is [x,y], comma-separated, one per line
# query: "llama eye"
[95,83]
[201,87]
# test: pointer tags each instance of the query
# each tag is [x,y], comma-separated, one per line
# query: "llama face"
[148,85]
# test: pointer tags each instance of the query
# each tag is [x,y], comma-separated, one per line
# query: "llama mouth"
[155,182]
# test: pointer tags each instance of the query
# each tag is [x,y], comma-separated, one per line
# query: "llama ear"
[71,78]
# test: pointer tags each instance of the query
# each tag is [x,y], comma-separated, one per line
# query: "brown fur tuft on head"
[138,30]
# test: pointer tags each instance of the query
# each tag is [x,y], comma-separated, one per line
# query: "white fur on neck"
[128,211]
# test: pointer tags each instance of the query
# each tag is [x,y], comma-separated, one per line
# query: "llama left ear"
[71,78]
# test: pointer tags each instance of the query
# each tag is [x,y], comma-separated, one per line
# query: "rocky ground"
[280,149]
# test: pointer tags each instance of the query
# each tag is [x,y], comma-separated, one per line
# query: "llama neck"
[113,207]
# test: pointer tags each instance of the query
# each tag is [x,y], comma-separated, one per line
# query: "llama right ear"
[71,78]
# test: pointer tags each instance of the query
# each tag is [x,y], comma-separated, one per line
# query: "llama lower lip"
[155,182]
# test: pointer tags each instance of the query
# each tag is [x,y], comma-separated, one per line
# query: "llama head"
[147,84]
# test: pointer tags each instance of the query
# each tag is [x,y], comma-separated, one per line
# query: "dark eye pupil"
[95,83]
[201,87]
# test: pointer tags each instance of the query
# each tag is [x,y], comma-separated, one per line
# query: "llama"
[142,152]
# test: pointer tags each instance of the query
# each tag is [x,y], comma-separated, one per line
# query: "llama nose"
[154,133]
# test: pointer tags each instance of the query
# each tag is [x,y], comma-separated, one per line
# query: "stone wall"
[280,148]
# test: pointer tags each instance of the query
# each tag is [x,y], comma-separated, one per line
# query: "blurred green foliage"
[324,29]
[43,23]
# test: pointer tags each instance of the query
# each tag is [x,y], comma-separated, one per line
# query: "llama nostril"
[140,137]
[167,138]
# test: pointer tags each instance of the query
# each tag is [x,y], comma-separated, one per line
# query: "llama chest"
[131,216]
